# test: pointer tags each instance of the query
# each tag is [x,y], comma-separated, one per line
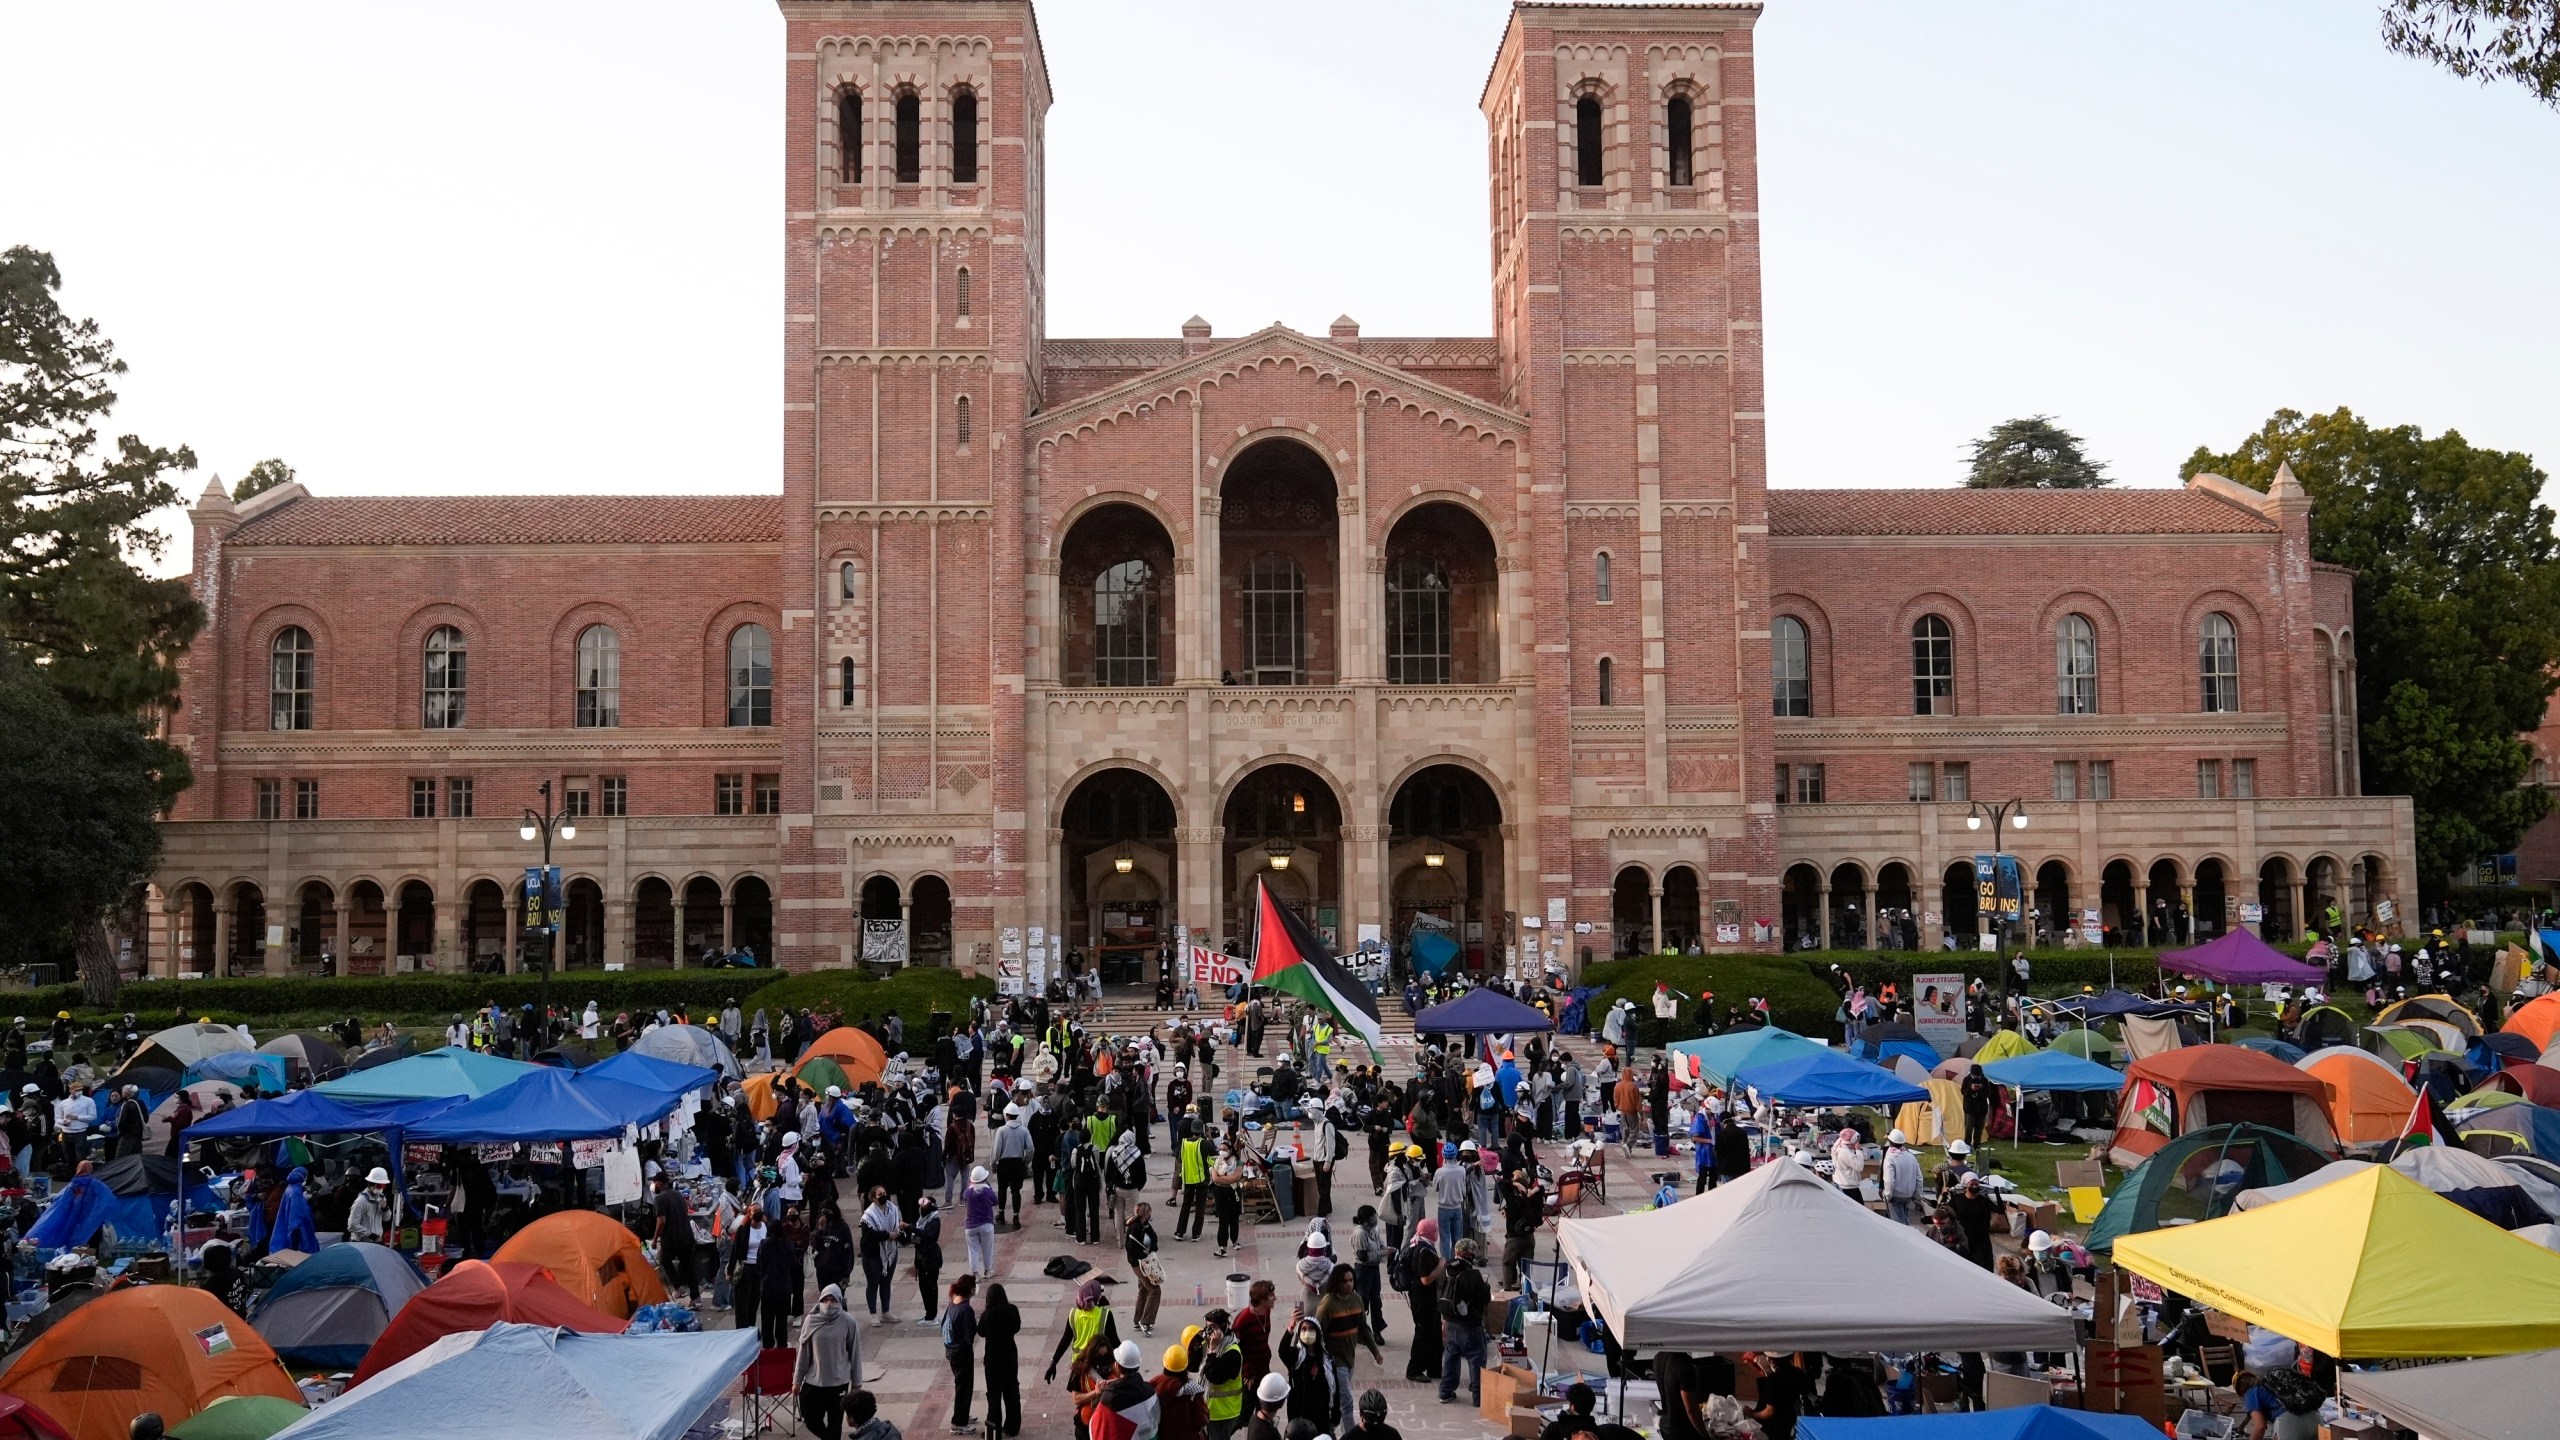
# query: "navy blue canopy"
[1480,1012]
[547,1104]
[2107,1004]
[308,1112]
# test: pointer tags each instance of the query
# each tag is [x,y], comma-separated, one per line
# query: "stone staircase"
[1131,1010]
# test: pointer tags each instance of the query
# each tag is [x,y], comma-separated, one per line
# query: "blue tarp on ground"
[1828,1078]
[1480,1012]
[434,1075]
[473,1385]
[651,1073]
[2032,1422]
[308,1112]
[1720,1056]
[545,1105]
[2052,1070]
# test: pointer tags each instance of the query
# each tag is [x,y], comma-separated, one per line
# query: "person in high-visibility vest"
[1324,1047]
[1222,1376]
[1194,1214]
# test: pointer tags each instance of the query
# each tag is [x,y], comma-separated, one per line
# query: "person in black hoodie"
[831,1248]
[1000,1331]
[926,1236]
[778,1286]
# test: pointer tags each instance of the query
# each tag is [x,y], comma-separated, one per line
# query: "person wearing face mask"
[830,1363]
[1303,1359]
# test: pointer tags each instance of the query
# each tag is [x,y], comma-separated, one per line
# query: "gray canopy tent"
[2511,1397]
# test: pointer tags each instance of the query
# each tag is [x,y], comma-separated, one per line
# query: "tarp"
[2367,1103]
[1828,1079]
[651,1073]
[1481,1012]
[328,1310]
[2237,957]
[546,1104]
[210,1095]
[475,1295]
[2030,1422]
[1719,1056]
[2052,1070]
[163,1349]
[131,1193]
[690,1045]
[309,1112]
[2503,1195]
[2375,1266]
[2149,1035]
[2511,1397]
[593,1257]
[498,1381]
[1781,1260]
[436,1074]
[2202,1085]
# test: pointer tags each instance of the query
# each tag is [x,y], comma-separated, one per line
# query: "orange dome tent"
[593,1257]
[859,1054]
[2537,1020]
[2367,1103]
[94,1364]
[475,1295]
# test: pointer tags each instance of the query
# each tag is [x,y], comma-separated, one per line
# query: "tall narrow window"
[1418,638]
[1124,625]
[1586,140]
[1275,622]
[849,135]
[2218,664]
[2075,667]
[960,292]
[599,678]
[849,582]
[447,662]
[1676,129]
[844,682]
[750,676]
[1603,589]
[964,139]
[1608,681]
[910,138]
[289,675]
[960,420]
[1790,667]
[1933,667]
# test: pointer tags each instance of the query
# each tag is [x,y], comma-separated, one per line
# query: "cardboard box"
[1504,1387]
[1527,1423]
[2071,1173]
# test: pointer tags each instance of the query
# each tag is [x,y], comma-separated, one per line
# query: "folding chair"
[767,1391]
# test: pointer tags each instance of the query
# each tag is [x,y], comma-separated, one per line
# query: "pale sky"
[492,245]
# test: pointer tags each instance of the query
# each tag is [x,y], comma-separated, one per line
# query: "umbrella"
[314,1054]
[239,1417]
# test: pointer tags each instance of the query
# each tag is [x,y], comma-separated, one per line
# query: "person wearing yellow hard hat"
[1182,1408]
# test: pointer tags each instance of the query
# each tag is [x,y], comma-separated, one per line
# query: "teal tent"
[1721,1057]
[432,1076]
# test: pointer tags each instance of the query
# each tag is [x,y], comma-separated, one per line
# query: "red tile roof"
[2108,511]
[516,520]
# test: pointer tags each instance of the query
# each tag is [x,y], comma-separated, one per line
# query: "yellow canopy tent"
[2375,1266]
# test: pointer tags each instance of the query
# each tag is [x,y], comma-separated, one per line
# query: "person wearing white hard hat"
[1269,1397]
[786,1190]
[369,1217]
[978,1206]
[1902,1179]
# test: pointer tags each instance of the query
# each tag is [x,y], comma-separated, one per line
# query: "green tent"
[2197,1175]
[820,1071]
[239,1417]
[2087,1044]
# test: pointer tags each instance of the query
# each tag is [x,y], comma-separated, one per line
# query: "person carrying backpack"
[1464,1301]
[2280,1405]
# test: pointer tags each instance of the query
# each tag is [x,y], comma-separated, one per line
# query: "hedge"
[1799,998]
[855,995]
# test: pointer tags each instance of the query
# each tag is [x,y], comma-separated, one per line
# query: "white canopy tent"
[1781,1260]
[2510,1397]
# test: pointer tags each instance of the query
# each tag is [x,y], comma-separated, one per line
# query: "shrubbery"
[857,995]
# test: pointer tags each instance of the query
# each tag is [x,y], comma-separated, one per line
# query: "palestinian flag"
[1287,957]
[1125,1409]
[2428,1124]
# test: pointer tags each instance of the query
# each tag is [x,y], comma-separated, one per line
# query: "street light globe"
[1973,822]
[2019,820]
[568,832]
[524,832]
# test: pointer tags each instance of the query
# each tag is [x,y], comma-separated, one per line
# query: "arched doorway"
[1682,925]
[1631,913]
[2170,924]
[2213,899]
[1442,599]
[1800,908]
[703,931]
[1284,828]
[1849,918]
[2371,888]
[1961,904]
[2322,894]
[416,938]
[929,922]
[191,910]
[751,917]
[315,938]
[1278,594]
[2053,913]
[1449,906]
[1116,616]
[484,926]
[653,925]
[1118,862]
[880,939]
[2277,921]
[2115,904]
[582,925]
[248,930]
[368,931]
[1897,923]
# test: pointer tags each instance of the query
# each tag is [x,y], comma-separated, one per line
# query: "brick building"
[1505,637]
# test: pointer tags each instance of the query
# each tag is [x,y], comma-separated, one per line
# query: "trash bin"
[1239,1292]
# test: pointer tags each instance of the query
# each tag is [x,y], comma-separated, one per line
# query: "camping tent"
[2199,1085]
[2533,1129]
[2052,1070]
[1781,1260]
[165,1349]
[242,1068]
[2509,1397]
[1718,1057]
[310,1053]
[862,1056]
[498,1381]
[690,1045]
[1481,1012]
[2325,1025]
[2375,1266]
[22,1421]
[2537,1083]
[434,1075]
[1936,1120]
[547,1104]
[2432,1007]
[475,1295]
[2087,1044]
[2005,1045]
[328,1310]
[1829,1078]
[2500,1194]
[239,1417]
[2197,1175]
[651,1073]
[2367,1103]
[2537,1020]
[597,1261]
[180,1046]
[2240,958]
[2028,1422]
[2284,1050]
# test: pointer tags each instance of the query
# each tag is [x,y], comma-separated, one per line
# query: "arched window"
[844,682]
[289,674]
[964,139]
[2075,667]
[750,676]
[960,292]
[849,582]
[1586,140]
[1933,667]
[849,135]
[1677,130]
[1275,622]
[1124,625]
[1601,590]
[1790,667]
[599,678]
[1418,648]
[1608,681]
[960,420]
[2218,664]
[442,689]
[910,138]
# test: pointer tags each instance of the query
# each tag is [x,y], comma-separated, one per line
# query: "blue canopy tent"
[2052,1070]
[434,1075]
[2031,1422]
[547,1105]
[1480,1012]
[1828,1078]
[651,1073]
[308,1112]
[2115,1004]
[1721,1057]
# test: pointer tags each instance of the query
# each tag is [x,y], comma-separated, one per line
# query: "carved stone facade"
[1467,636]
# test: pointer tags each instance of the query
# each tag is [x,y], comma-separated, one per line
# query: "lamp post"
[2009,814]
[544,823]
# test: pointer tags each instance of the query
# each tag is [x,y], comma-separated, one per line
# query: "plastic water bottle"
[1199,1296]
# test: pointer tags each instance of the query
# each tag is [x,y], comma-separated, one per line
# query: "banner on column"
[1937,1010]
[542,903]
[1009,961]
[1215,968]
[884,942]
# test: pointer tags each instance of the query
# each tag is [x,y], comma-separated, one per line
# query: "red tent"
[22,1421]
[2169,1094]
[475,1295]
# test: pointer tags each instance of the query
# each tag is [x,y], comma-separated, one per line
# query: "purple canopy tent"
[2240,958]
